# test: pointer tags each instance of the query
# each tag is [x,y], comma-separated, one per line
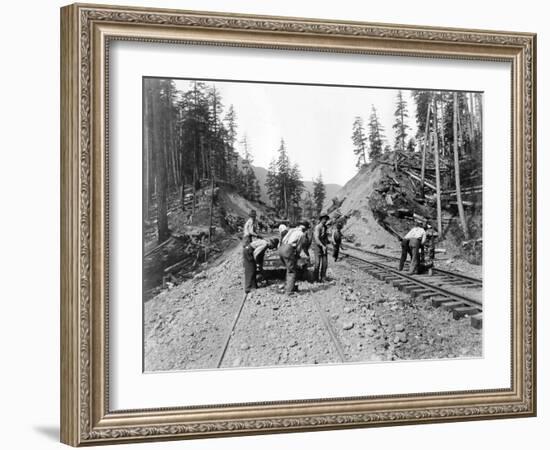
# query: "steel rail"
[232,329]
[330,331]
[472,280]
[400,274]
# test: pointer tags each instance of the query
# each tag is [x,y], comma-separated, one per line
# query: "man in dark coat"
[320,242]
[336,241]
[428,250]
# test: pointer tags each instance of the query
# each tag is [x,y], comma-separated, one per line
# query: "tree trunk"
[194,190]
[146,148]
[426,140]
[437,176]
[210,231]
[471,117]
[442,130]
[402,131]
[457,168]
[160,176]
[285,198]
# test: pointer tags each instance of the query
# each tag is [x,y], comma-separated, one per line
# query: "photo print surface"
[294,224]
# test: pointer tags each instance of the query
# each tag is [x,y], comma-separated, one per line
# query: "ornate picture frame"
[86,34]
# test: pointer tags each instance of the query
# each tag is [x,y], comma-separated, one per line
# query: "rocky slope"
[379,204]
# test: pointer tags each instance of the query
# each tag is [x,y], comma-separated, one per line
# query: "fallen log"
[426,183]
[158,247]
[467,190]
[464,202]
[179,265]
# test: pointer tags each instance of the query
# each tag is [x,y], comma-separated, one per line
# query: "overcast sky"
[315,122]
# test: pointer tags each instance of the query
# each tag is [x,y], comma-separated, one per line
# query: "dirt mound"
[235,209]
[383,201]
[190,246]
[361,226]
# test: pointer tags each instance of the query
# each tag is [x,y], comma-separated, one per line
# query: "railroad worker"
[289,251]
[253,260]
[411,244]
[259,247]
[249,265]
[320,242]
[249,230]
[428,250]
[283,230]
[336,240]
[308,240]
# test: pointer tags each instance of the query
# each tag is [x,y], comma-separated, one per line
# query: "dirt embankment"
[380,204]
[189,246]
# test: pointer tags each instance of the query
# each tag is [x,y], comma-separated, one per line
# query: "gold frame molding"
[86,31]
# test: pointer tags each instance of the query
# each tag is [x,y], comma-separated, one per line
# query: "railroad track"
[449,278]
[437,289]
[324,319]
[330,331]
[231,330]
[440,294]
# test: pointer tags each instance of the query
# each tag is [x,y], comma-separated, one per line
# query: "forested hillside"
[435,176]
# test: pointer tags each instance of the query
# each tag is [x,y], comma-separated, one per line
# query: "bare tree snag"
[424,148]
[457,167]
[437,177]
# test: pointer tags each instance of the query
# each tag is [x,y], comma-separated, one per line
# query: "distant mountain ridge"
[261,175]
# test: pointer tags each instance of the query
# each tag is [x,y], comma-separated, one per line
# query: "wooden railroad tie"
[463,311]
[477,321]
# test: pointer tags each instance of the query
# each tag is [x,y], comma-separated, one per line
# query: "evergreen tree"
[249,186]
[272,184]
[411,145]
[216,154]
[193,130]
[284,184]
[422,100]
[230,122]
[376,135]
[400,126]
[359,142]
[319,194]
[296,187]
[307,206]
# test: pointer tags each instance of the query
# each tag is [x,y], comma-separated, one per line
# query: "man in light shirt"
[289,251]
[411,244]
[283,230]
[253,260]
[249,230]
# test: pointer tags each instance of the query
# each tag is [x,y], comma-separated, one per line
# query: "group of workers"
[291,244]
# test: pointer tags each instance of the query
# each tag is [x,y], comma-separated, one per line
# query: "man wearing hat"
[253,260]
[320,241]
[249,230]
[289,251]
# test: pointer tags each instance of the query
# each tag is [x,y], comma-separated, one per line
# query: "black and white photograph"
[293,224]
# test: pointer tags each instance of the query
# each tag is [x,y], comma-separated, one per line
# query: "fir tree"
[376,135]
[359,142]
[284,184]
[411,145]
[400,126]
[319,194]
